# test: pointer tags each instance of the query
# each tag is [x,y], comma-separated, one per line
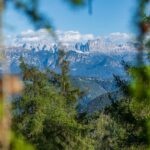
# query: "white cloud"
[71,36]
[30,39]
[31,35]
[119,36]
[63,36]
[27,33]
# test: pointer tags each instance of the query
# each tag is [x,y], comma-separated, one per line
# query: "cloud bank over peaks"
[73,40]
[120,36]
[62,36]
[71,36]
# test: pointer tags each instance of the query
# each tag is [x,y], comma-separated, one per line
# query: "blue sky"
[108,16]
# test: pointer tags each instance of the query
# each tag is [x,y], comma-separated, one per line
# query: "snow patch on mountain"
[74,41]
[89,55]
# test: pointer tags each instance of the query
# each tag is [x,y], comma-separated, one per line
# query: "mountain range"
[93,59]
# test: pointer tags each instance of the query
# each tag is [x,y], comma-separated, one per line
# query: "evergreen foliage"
[45,115]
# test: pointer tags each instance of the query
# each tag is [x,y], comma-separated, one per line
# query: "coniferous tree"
[44,114]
